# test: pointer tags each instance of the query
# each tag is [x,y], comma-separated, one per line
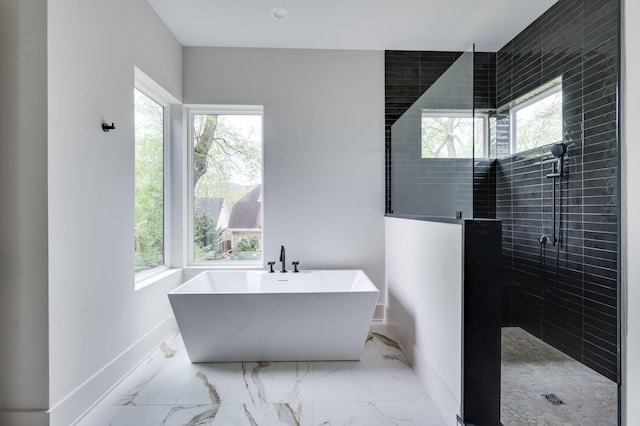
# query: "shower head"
[559,149]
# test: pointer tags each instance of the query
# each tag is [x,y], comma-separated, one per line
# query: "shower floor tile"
[166,389]
[532,369]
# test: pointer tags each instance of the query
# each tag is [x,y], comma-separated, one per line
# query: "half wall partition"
[443,265]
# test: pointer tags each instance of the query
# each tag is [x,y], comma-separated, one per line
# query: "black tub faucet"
[284,269]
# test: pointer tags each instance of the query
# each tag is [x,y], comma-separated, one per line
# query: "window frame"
[191,111]
[526,101]
[458,113]
[149,88]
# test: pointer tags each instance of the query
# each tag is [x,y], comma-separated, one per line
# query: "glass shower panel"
[433,145]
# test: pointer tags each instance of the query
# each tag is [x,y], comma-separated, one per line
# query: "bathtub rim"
[367,287]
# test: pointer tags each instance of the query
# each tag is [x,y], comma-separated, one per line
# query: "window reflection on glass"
[538,121]
[149,183]
[447,134]
[227,187]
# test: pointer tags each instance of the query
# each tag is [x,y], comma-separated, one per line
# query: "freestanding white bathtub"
[233,316]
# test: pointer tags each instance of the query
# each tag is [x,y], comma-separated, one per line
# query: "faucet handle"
[295,266]
[271,271]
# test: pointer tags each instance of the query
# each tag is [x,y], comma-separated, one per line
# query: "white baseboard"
[85,396]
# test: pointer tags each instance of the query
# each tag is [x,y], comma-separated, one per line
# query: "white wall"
[99,325]
[424,303]
[323,146]
[631,212]
[23,209]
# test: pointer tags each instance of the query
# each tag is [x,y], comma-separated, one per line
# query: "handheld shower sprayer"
[558,150]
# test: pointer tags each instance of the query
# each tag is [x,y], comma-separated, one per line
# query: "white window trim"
[158,94]
[426,113]
[523,103]
[218,110]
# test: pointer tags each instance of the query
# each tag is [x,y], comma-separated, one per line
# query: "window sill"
[161,275]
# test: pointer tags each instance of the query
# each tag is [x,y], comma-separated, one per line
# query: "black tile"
[579,40]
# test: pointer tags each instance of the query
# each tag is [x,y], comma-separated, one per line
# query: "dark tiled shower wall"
[577,39]
[484,189]
[408,74]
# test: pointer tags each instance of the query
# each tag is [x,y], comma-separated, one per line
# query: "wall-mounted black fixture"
[106,127]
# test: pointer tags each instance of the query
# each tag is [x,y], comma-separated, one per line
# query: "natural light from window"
[149,183]
[538,121]
[226,185]
[450,134]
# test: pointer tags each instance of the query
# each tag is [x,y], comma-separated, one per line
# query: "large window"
[450,134]
[226,185]
[537,121]
[149,183]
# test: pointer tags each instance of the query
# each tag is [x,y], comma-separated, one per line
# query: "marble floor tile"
[373,381]
[239,415]
[167,389]
[251,383]
[385,342]
[287,414]
[293,384]
[333,382]
[191,415]
[208,384]
[425,413]
[148,415]
[385,413]
[100,415]
[405,381]
[337,414]
[125,392]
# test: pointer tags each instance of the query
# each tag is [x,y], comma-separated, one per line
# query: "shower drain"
[552,398]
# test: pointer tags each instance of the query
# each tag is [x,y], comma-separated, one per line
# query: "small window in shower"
[537,121]
[226,185]
[454,134]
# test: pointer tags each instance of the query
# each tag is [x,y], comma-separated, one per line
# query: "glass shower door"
[433,145]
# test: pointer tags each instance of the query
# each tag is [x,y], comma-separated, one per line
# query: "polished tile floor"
[532,369]
[166,389]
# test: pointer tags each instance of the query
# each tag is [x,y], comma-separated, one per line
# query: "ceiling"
[350,24]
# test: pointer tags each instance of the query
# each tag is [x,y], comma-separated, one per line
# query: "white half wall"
[99,326]
[323,146]
[631,206]
[424,303]
[24,369]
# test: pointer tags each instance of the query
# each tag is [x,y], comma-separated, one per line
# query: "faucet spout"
[282,255]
